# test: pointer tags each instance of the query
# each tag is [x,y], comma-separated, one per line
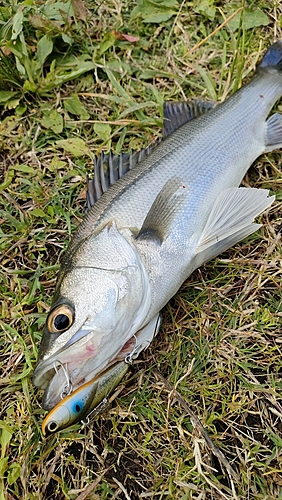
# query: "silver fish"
[152,225]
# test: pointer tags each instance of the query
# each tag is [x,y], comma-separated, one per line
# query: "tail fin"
[273,57]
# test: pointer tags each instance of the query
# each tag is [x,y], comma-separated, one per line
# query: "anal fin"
[231,220]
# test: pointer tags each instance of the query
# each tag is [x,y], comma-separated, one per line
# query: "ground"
[78,78]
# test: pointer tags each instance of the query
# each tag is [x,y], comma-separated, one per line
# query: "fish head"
[101,300]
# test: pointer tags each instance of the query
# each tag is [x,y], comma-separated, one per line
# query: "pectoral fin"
[273,133]
[162,213]
[231,220]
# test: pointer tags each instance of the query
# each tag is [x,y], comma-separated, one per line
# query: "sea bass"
[149,227]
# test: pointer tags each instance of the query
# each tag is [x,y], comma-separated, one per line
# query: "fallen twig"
[226,21]
[197,424]
[91,486]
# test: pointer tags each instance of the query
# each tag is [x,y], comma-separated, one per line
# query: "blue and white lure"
[84,400]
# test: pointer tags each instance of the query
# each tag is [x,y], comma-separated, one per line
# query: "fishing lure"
[84,400]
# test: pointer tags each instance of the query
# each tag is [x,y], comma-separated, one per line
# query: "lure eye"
[60,319]
[52,426]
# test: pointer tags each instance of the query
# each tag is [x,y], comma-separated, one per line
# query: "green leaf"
[6,95]
[29,86]
[107,42]
[103,130]
[76,146]
[24,168]
[73,105]
[20,68]
[204,7]
[71,68]
[148,74]
[14,473]
[44,49]
[12,103]
[3,465]
[137,106]
[17,24]
[7,179]
[155,11]
[52,120]
[57,164]
[44,24]
[250,18]
[38,212]
[5,437]
[118,87]
[66,38]
[15,48]
[209,82]
[20,109]
[58,10]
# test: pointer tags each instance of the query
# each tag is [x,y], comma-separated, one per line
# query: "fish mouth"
[69,369]
[60,377]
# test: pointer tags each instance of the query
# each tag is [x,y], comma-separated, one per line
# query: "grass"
[88,89]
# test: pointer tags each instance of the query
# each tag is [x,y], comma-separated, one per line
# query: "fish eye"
[60,319]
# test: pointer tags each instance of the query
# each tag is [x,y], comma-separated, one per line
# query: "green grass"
[86,89]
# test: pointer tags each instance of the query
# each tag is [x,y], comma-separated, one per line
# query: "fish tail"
[273,57]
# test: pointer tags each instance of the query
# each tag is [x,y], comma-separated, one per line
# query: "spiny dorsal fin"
[108,169]
[178,113]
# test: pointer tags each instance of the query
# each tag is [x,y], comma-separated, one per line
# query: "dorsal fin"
[178,113]
[108,169]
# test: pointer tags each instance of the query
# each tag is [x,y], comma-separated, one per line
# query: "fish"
[152,219]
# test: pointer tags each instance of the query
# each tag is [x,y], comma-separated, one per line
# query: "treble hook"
[136,351]
[67,390]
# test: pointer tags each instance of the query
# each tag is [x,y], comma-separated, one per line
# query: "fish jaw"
[89,397]
[70,375]
[61,385]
